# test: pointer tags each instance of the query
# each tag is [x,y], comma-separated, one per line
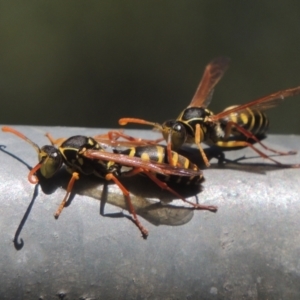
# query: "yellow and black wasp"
[236,127]
[84,155]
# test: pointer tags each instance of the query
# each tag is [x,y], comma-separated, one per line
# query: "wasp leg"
[53,141]
[198,143]
[244,144]
[164,186]
[131,209]
[75,176]
[249,135]
[114,135]
[169,151]
[111,135]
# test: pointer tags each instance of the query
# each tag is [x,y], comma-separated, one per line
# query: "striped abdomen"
[253,120]
[159,154]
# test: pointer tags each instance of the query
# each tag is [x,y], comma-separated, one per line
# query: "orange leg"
[260,153]
[198,143]
[249,135]
[246,144]
[131,209]
[169,151]
[109,135]
[75,176]
[114,135]
[164,186]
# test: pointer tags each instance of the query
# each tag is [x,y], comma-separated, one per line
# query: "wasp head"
[174,132]
[50,160]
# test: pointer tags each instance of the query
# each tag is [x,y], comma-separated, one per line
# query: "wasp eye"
[51,161]
[53,155]
[177,127]
[178,135]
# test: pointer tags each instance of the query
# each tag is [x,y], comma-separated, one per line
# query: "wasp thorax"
[198,113]
[50,160]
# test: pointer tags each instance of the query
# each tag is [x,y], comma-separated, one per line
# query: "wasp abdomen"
[253,120]
[159,154]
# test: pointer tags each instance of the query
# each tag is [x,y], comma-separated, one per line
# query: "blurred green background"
[88,63]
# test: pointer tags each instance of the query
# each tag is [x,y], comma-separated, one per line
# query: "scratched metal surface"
[249,249]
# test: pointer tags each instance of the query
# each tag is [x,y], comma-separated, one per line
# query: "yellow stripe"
[90,142]
[145,157]
[132,152]
[244,118]
[230,144]
[174,158]
[250,128]
[160,154]
[186,163]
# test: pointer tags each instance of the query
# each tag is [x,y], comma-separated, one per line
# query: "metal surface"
[249,249]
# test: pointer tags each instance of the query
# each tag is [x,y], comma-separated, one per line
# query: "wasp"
[84,155]
[237,126]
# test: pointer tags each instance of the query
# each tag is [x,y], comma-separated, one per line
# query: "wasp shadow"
[144,195]
[149,201]
[234,163]
[19,243]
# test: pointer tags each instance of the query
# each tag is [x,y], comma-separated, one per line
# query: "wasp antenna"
[31,176]
[125,121]
[22,136]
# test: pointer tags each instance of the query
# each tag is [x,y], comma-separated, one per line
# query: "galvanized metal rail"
[249,249]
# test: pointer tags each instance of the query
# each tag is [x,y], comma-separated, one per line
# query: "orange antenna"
[22,136]
[125,121]
[31,177]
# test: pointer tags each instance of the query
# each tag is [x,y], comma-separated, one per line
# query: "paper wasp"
[84,155]
[236,127]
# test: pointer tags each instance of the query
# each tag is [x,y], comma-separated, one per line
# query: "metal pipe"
[249,249]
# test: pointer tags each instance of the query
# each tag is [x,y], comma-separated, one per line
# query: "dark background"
[88,63]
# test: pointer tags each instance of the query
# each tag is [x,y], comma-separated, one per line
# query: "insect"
[152,161]
[84,155]
[236,127]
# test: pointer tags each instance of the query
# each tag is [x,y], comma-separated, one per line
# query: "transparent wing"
[261,104]
[137,162]
[212,74]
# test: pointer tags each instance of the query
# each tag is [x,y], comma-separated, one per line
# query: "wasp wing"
[105,143]
[137,162]
[261,104]
[212,74]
